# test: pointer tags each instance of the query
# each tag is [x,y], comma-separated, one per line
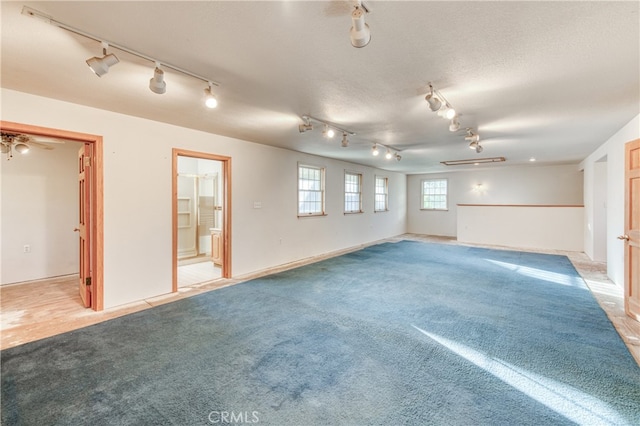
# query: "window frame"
[345,193]
[322,190]
[446,194]
[376,193]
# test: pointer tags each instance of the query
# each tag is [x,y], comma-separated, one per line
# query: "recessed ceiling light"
[532,159]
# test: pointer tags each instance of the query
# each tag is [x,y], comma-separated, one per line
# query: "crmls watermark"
[234,417]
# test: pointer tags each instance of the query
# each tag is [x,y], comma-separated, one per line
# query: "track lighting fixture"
[328,132]
[438,103]
[306,126]
[359,33]
[474,141]
[448,112]
[389,154]
[209,98]
[345,140]
[22,148]
[454,126]
[433,100]
[157,83]
[100,66]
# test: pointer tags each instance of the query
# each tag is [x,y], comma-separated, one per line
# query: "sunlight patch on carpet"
[541,274]
[565,400]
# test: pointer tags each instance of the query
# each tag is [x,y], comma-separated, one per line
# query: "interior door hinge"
[87,281]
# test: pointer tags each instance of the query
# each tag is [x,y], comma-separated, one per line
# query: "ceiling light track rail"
[307,122]
[28,11]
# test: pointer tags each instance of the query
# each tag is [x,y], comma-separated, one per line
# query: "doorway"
[201,222]
[94,190]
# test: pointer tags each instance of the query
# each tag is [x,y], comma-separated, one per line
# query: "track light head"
[21,148]
[432,99]
[359,33]
[345,140]
[157,83]
[388,155]
[454,126]
[398,157]
[375,151]
[305,127]
[449,112]
[209,98]
[479,148]
[328,132]
[100,66]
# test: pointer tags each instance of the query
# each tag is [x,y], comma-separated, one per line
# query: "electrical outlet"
[27,248]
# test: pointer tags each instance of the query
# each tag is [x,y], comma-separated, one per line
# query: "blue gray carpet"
[398,333]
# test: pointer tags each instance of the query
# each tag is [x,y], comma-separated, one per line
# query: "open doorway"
[201,222]
[44,261]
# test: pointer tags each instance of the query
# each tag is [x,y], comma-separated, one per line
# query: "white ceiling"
[550,80]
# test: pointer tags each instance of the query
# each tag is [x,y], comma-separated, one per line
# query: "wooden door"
[84,227]
[631,236]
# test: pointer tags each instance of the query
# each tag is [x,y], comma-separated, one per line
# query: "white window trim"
[344,192]
[323,178]
[386,199]
[422,195]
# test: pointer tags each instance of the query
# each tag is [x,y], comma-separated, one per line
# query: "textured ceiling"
[550,80]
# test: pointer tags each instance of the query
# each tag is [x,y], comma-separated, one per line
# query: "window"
[434,194]
[352,192]
[381,203]
[310,191]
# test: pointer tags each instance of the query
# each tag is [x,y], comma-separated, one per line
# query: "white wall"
[560,184]
[39,209]
[613,149]
[526,226]
[138,150]
[599,211]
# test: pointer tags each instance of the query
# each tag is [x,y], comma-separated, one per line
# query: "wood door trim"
[226,209]
[631,305]
[97,200]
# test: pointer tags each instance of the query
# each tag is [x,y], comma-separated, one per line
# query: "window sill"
[312,215]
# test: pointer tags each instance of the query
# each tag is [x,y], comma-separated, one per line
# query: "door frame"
[226,209]
[631,237]
[96,196]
